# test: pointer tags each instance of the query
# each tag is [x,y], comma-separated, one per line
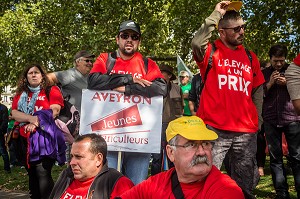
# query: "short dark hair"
[278,50]
[98,144]
[229,15]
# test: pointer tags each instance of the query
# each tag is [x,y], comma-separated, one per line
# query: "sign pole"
[119,161]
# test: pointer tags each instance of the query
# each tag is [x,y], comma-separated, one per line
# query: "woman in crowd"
[39,143]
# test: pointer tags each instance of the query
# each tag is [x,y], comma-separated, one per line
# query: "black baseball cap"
[83,53]
[130,25]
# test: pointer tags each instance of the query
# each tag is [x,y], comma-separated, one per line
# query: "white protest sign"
[127,123]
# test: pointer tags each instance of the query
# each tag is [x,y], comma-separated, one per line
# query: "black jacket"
[3,119]
[101,187]
[99,81]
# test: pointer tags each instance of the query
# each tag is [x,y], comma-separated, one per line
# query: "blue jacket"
[48,140]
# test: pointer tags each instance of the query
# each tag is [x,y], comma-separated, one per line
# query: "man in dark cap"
[172,108]
[74,79]
[127,71]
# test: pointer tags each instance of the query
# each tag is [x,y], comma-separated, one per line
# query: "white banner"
[127,123]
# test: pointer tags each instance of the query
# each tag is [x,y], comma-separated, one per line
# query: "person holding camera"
[280,116]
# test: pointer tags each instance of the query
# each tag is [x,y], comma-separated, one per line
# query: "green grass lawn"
[18,181]
[265,189]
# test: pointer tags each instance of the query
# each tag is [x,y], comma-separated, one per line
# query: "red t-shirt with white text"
[42,101]
[226,101]
[79,190]
[133,66]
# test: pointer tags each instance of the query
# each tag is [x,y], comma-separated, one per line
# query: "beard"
[236,42]
[128,53]
[199,160]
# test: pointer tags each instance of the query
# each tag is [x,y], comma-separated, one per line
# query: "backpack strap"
[249,56]
[209,66]
[176,188]
[145,59]
[111,61]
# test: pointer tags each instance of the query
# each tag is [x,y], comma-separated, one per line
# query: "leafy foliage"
[52,31]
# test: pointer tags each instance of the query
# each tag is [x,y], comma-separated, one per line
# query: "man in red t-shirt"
[231,99]
[88,175]
[189,148]
[127,71]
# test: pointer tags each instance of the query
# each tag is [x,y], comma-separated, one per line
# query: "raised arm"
[202,36]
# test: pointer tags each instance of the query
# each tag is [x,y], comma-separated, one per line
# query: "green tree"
[52,31]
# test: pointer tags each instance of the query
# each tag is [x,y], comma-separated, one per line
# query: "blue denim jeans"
[134,165]
[157,158]
[240,151]
[274,140]
[4,153]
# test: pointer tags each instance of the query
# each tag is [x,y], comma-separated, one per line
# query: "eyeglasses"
[134,37]
[238,28]
[87,60]
[193,146]
[182,76]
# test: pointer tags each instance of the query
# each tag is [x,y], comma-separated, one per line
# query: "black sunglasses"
[88,60]
[134,37]
[238,28]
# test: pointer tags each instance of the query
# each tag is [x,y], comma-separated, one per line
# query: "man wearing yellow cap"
[189,148]
[231,99]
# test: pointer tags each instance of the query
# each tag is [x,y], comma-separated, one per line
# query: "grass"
[265,189]
[18,181]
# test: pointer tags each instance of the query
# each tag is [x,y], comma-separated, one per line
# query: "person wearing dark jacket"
[3,129]
[280,116]
[88,175]
[131,74]
[172,108]
[194,94]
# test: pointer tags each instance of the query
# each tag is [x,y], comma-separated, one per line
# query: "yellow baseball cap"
[191,128]
[235,5]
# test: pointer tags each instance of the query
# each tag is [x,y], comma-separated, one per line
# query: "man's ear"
[99,160]
[170,153]
[221,32]
[117,39]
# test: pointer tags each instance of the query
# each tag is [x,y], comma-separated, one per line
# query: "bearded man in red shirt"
[231,99]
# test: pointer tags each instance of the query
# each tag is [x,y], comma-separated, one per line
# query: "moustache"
[199,160]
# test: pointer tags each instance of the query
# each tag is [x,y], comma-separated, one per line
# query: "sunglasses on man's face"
[87,60]
[134,37]
[238,28]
